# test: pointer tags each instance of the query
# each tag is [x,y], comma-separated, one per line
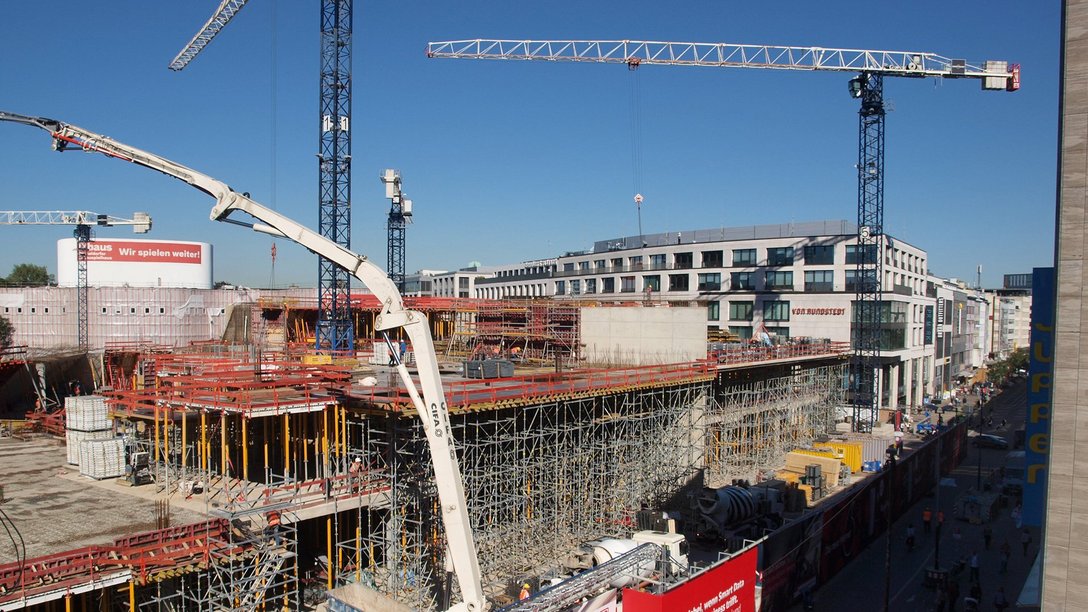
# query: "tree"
[7,331]
[29,275]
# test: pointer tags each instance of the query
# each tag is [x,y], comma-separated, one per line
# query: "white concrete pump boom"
[429,398]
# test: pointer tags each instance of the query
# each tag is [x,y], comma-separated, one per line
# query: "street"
[861,585]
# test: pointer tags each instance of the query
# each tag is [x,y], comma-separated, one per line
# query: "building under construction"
[277,474]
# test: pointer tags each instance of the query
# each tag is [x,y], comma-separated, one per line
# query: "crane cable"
[272,127]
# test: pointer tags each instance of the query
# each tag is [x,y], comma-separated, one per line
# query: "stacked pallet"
[101,459]
[86,419]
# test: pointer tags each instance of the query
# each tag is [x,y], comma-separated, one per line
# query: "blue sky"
[509,161]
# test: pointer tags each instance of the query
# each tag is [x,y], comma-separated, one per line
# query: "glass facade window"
[576,287]
[651,282]
[742,281]
[713,311]
[683,261]
[777,310]
[591,285]
[712,259]
[560,287]
[779,279]
[636,262]
[568,266]
[780,256]
[608,285]
[867,275]
[820,255]
[819,280]
[627,284]
[617,263]
[599,264]
[711,281]
[854,253]
[741,311]
[780,332]
[744,257]
[678,282]
[744,332]
[583,266]
[657,262]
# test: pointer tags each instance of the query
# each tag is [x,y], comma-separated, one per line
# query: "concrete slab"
[54,509]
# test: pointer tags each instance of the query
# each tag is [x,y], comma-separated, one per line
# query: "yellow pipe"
[286,443]
[223,443]
[156,434]
[204,440]
[305,442]
[67,603]
[336,429]
[358,545]
[132,594]
[344,426]
[325,441]
[245,449]
[328,551]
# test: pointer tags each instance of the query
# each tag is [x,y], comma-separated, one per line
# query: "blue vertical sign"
[1040,396]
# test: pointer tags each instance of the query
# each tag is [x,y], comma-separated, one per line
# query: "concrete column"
[908,374]
[893,386]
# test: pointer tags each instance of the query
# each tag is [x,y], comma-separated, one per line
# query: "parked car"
[991,441]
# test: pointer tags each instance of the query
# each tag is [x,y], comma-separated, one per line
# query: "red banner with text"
[727,587]
[144,252]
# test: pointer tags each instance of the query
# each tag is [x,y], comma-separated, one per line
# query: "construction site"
[227,435]
[177,447]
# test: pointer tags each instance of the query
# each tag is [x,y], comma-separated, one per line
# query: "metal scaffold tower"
[752,425]
[541,479]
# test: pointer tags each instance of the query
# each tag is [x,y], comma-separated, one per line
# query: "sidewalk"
[861,585]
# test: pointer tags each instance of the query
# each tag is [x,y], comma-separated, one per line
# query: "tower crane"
[427,397]
[400,214]
[334,330]
[867,85]
[83,222]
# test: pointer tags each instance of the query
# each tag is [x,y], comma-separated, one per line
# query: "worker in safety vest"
[524,594]
[273,529]
[927,518]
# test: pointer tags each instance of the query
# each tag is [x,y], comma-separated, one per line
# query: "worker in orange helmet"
[524,594]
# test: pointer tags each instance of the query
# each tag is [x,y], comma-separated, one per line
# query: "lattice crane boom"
[870,67]
[995,75]
[219,20]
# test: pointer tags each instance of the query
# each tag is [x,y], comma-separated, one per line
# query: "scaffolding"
[540,479]
[751,425]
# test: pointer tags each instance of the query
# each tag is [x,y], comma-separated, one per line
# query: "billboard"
[729,586]
[138,263]
[1040,396]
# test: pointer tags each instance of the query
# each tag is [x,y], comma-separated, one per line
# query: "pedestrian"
[957,542]
[1006,552]
[1004,423]
[927,516]
[953,594]
[987,535]
[990,422]
[910,536]
[1025,539]
[974,566]
[1000,602]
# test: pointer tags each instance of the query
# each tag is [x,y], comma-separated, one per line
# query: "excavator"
[428,397]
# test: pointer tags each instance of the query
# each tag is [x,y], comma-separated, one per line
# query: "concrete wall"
[643,335]
[1066,551]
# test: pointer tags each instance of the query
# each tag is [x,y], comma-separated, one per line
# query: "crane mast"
[870,68]
[83,221]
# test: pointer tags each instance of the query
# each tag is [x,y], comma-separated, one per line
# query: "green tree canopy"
[29,275]
[7,331]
